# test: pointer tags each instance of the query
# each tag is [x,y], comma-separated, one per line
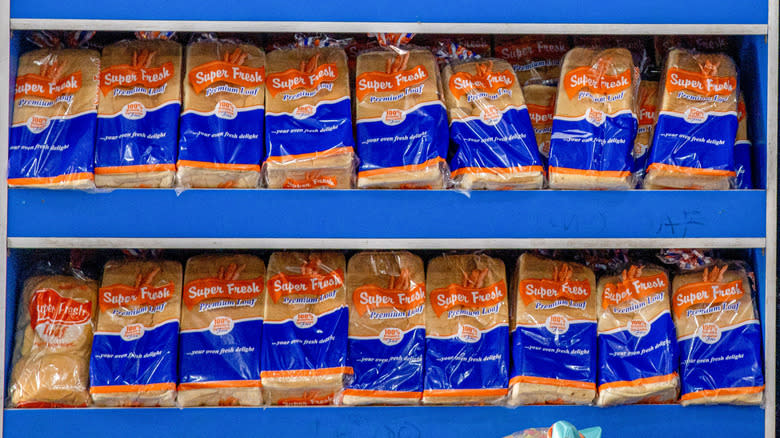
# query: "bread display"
[719,336]
[304,328]
[693,141]
[308,131]
[491,128]
[595,121]
[221,126]
[466,329]
[554,333]
[221,326]
[637,342]
[138,114]
[134,353]
[52,135]
[540,100]
[54,330]
[386,328]
[401,120]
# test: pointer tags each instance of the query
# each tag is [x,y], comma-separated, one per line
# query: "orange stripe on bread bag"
[220,71]
[378,82]
[39,86]
[594,80]
[128,75]
[294,79]
[705,293]
[683,80]
[369,297]
[456,295]
[315,284]
[462,83]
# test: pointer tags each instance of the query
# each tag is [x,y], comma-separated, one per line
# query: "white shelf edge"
[411,244]
[360,27]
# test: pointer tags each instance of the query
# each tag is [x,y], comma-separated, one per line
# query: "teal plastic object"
[564,429]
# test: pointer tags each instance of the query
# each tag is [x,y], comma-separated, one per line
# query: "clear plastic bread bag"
[56,313]
[595,121]
[402,130]
[138,112]
[221,126]
[467,334]
[490,127]
[719,335]
[52,135]
[134,353]
[386,294]
[743,149]
[536,59]
[696,125]
[308,120]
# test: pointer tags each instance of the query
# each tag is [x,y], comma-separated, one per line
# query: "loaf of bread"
[595,121]
[138,114]
[466,329]
[701,43]
[54,328]
[491,128]
[535,58]
[52,136]
[540,100]
[221,325]
[637,342]
[309,141]
[719,336]
[305,328]
[386,328]
[134,352]
[554,337]
[693,141]
[401,121]
[743,149]
[221,127]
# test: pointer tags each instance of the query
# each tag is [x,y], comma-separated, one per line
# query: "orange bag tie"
[143,59]
[308,67]
[562,273]
[400,282]
[709,68]
[146,280]
[476,279]
[311,267]
[632,273]
[397,64]
[231,272]
[236,58]
[714,276]
[51,70]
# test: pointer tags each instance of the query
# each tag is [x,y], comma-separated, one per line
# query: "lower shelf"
[384,422]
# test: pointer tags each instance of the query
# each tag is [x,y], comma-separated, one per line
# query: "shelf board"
[390,219]
[455,11]
[401,422]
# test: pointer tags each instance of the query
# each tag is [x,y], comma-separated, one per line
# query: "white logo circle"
[490,115]
[557,324]
[304,111]
[134,111]
[393,116]
[709,333]
[37,124]
[695,115]
[391,336]
[132,332]
[638,327]
[305,320]
[225,110]
[468,333]
[221,325]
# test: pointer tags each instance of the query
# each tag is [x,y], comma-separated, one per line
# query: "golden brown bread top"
[310,65]
[637,287]
[471,86]
[710,78]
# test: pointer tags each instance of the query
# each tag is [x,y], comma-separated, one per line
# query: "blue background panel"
[150,213]
[457,11]
[384,422]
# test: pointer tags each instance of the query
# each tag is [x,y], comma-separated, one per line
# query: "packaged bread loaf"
[221,326]
[308,133]
[136,343]
[693,141]
[386,328]
[743,149]
[304,328]
[54,329]
[637,343]
[221,127]
[478,44]
[535,58]
[637,45]
[401,120]
[466,329]
[719,335]
[554,337]
[595,121]
[52,136]
[138,113]
[648,93]
[490,127]
[701,43]
[540,100]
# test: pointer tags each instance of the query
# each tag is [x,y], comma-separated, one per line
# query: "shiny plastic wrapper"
[305,328]
[135,349]
[221,125]
[719,336]
[386,328]
[696,125]
[637,45]
[308,121]
[743,149]
[637,344]
[54,329]
[401,119]
[467,335]
[664,44]
[561,429]
[595,121]
[138,114]
[554,333]
[535,58]
[540,101]
[221,326]
[490,127]
[648,97]
[52,135]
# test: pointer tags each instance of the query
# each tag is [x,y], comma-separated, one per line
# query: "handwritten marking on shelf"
[679,226]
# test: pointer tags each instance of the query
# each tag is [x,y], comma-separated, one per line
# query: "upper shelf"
[386,219]
[743,12]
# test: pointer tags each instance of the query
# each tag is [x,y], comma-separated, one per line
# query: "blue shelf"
[149,213]
[391,422]
[410,11]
